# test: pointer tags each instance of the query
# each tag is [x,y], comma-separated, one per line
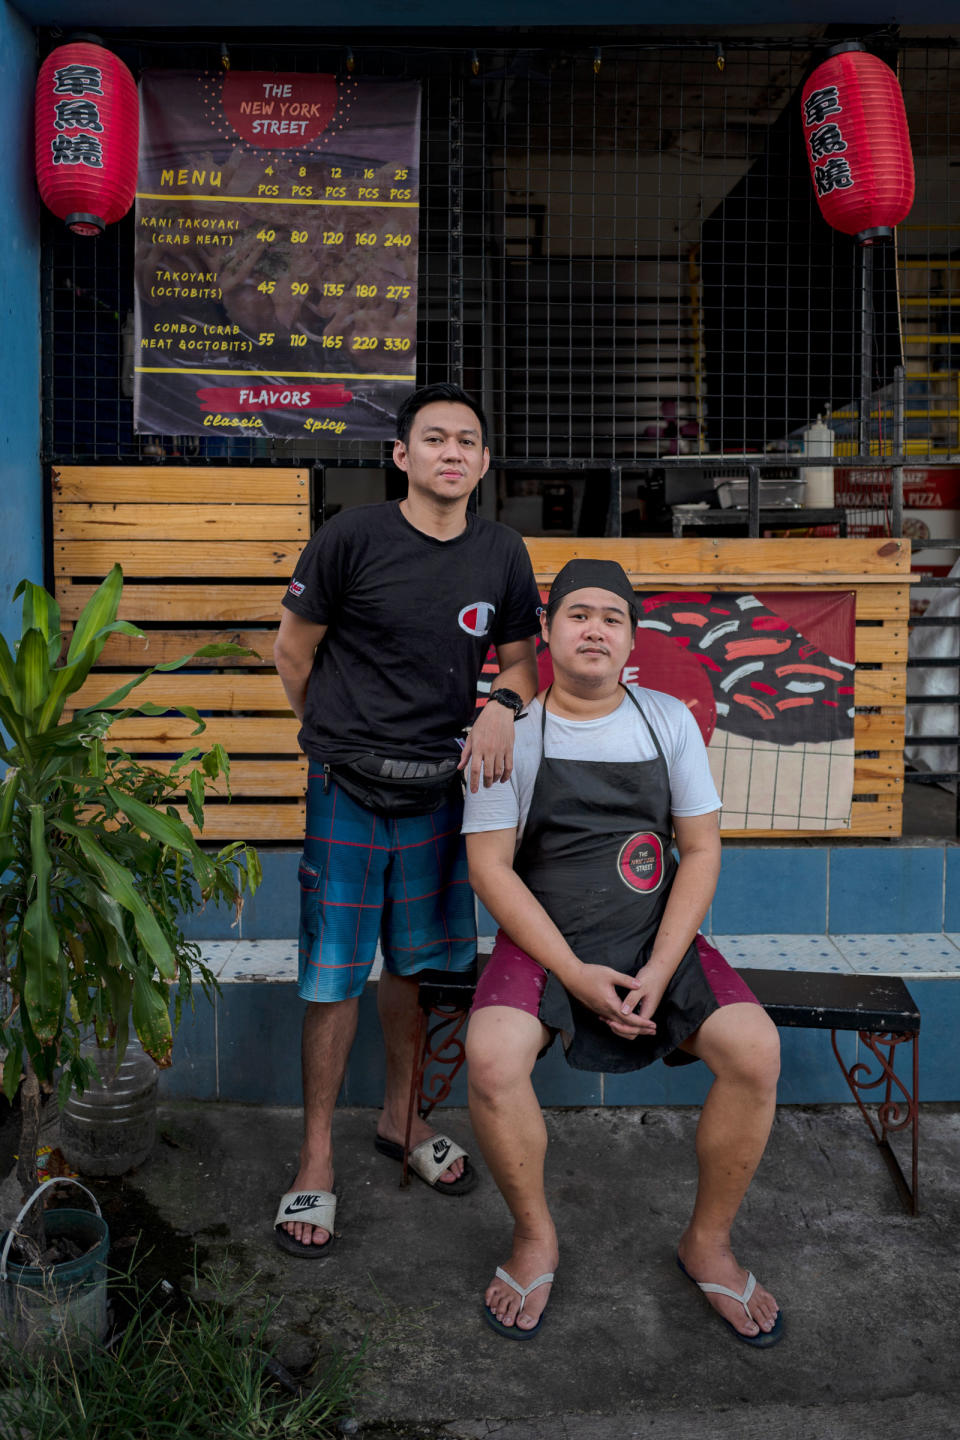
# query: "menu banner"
[276,254]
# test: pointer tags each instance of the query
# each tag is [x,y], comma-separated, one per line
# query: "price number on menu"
[370,238]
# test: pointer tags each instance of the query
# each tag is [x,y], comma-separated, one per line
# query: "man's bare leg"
[740,1045]
[328,1033]
[502,1046]
[398,1007]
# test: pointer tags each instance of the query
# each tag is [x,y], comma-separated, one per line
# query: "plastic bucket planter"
[49,1307]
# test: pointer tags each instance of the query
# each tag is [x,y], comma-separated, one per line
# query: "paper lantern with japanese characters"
[87,128]
[858,145]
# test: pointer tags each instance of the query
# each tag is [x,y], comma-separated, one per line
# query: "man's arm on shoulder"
[520,914]
[489,746]
[518,668]
[293,653]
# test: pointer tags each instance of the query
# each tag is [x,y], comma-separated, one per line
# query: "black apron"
[596,854]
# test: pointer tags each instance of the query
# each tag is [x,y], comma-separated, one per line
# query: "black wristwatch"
[510,699]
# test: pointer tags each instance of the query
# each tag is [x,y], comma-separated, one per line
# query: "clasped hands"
[601,989]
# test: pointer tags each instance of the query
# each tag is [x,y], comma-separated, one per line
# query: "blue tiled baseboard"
[246,1045]
[800,888]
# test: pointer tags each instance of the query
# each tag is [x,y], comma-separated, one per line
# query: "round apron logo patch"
[640,863]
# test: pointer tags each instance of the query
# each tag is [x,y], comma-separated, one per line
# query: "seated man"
[599,941]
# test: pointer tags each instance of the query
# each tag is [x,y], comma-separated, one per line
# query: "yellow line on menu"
[281,200]
[260,374]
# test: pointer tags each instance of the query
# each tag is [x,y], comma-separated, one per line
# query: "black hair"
[429,395]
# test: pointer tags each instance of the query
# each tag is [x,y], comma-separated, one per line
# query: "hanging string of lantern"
[87,120]
[858,144]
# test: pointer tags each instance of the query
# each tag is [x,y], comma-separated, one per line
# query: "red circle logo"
[640,862]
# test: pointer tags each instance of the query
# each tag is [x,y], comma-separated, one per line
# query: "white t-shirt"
[621,735]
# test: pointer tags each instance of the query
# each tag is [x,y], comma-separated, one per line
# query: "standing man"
[386,624]
[600,942]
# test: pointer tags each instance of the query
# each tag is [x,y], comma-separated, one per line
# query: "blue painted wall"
[21,496]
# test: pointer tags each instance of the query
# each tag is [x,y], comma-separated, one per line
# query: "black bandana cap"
[588,574]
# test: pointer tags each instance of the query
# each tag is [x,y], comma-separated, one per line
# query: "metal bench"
[884,1014]
[879,1008]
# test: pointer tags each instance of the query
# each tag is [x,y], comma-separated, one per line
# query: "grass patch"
[177,1370]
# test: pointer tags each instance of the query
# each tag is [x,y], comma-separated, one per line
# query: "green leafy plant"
[97,867]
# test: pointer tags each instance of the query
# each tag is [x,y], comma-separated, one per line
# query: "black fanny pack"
[396,787]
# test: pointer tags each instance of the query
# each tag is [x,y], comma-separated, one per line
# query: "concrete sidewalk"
[870,1296]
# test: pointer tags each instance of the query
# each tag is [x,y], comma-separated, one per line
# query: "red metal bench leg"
[438,1045]
[897,1110]
[416,1086]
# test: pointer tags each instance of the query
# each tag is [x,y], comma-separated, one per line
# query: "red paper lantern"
[87,130]
[858,145]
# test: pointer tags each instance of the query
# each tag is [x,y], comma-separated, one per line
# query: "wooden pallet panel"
[258,824]
[234,559]
[236,534]
[161,646]
[225,604]
[238,734]
[240,690]
[800,561]
[881,817]
[870,783]
[280,778]
[870,771]
[881,602]
[232,587]
[119,523]
[881,687]
[881,644]
[878,731]
[216,484]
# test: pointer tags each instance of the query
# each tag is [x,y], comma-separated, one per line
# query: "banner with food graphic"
[769,679]
[276,254]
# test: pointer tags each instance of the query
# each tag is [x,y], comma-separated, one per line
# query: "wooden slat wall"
[877,571]
[206,556]
[207,552]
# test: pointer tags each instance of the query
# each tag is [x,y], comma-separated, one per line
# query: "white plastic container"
[818,441]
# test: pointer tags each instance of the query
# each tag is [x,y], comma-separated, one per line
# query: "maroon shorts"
[511,978]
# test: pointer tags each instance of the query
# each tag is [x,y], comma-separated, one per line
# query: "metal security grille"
[621,254]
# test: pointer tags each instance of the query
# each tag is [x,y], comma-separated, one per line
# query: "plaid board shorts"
[366,877]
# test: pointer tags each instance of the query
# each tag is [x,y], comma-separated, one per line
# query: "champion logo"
[296,587]
[476,618]
[440,1148]
[302,1202]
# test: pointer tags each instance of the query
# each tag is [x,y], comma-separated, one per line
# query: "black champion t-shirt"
[410,622]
